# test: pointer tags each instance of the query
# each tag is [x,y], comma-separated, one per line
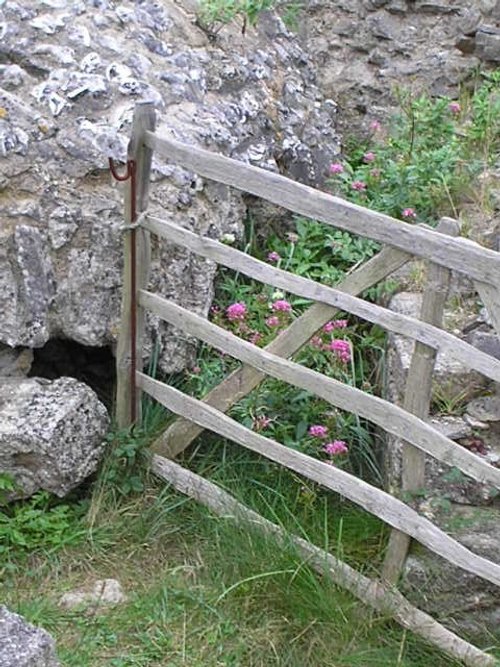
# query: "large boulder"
[71,74]
[460,600]
[51,433]
[23,644]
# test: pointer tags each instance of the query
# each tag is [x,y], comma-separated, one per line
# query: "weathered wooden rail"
[445,252]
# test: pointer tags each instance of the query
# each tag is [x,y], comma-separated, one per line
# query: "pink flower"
[335,448]
[368,157]
[318,431]
[196,370]
[342,349]
[358,185]
[273,321]
[281,305]
[375,126]
[236,312]
[334,324]
[261,422]
[273,256]
[336,168]
[409,213]
[375,173]
[316,342]
[454,108]
[255,337]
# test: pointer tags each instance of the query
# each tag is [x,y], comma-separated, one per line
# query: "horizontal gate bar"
[460,254]
[377,502]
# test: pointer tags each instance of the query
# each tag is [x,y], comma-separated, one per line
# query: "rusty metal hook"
[128,174]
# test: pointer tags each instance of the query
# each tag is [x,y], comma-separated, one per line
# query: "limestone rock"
[485,408]
[488,43]
[51,433]
[451,427]
[452,379]
[71,73]
[445,484]
[453,385]
[103,593]
[23,644]
[15,362]
[463,602]
[428,45]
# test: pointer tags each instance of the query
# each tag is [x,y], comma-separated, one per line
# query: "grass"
[205,591]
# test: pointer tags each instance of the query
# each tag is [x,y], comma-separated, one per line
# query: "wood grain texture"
[390,417]
[490,296]
[417,399]
[309,289]
[144,120]
[238,384]
[378,502]
[371,592]
[460,254]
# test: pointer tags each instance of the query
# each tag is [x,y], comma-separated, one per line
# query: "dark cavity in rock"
[65,358]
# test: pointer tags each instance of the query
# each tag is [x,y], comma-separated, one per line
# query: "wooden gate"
[444,252]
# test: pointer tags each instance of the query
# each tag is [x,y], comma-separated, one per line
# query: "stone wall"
[365,49]
[466,408]
[70,75]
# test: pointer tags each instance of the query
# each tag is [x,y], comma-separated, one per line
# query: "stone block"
[103,593]
[23,644]
[51,433]
[463,602]
[488,43]
[451,378]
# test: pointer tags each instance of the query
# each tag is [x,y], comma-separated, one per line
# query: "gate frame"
[443,251]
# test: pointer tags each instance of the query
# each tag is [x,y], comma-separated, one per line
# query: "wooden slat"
[238,384]
[309,289]
[460,254]
[490,296]
[417,399]
[144,119]
[378,502]
[369,591]
[390,417]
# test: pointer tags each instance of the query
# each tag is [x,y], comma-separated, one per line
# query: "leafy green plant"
[123,468]
[483,131]
[319,251]
[39,524]
[291,12]
[447,400]
[7,486]
[426,161]
[344,349]
[213,15]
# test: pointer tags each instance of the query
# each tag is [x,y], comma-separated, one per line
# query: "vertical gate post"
[417,399]
[136,258]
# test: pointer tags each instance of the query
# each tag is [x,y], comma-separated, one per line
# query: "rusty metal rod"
[131,174]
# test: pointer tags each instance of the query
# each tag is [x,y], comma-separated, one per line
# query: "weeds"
[448,400]
[426,164]
[205,591]
[38,525]
[213,15]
